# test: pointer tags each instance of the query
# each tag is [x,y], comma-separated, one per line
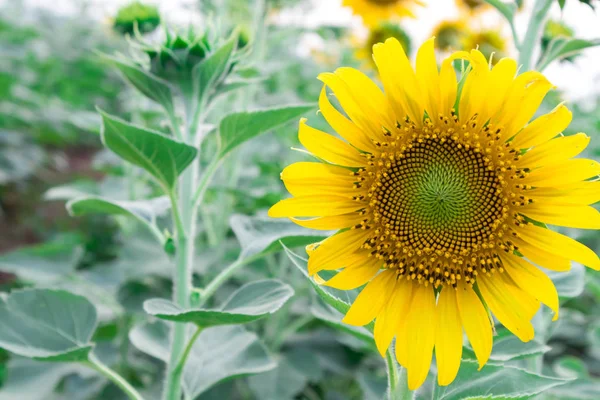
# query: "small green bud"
[146,17]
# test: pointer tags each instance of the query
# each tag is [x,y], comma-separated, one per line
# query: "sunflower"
[374,11]
[450,34]
[378,34]
[473,6]
[441,209]
[490,42]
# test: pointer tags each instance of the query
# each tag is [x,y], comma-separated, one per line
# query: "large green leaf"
[508,10]
[333,317]
[260,236]
[211,71]
[146,211]
[328,298]
[252,301]
[570,283]
[563,47]
[161,156]
[219,353]
[51,325]
[149,85]
[281,383]
[33,380]
[43,264]
[237,128]
[495,382]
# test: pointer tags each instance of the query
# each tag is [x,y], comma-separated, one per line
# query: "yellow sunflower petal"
[342,125]
[554,151]
[336,247]
[404,93]
[475,89]
[387,322]
[448,344]
[428,77]
[476,322]
[501,77]
[329,148]
[349,98]
[542,258]
[563,173]
[558,244]
[448,88]
[352,277]
[506,307]
[543,128]
[570,215]
[580,193]
[314,206]
[533,281]
[370,301]
[421,335]
[330,223]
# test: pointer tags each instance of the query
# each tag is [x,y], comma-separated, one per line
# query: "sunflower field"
[299,199]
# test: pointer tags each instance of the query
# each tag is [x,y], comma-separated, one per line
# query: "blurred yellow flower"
[450,35]
[472,6]
[379,34]
[375,11]
[489,42]
[437,207]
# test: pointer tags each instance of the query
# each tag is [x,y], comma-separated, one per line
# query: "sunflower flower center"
[439,198]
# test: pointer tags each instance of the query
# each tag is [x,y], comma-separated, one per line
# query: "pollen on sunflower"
[440,200]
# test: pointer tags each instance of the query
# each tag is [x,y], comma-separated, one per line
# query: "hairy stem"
[397,379]
[115,378]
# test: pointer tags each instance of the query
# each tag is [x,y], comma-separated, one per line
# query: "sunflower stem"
[397,379]
[534,32]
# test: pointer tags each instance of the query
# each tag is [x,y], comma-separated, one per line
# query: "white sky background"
[579,81]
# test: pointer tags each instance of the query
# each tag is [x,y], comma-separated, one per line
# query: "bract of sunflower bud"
[174,58]
[146,17]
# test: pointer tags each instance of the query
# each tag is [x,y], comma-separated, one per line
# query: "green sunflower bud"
[145,17]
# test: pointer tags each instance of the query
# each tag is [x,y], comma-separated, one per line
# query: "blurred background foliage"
[51,79]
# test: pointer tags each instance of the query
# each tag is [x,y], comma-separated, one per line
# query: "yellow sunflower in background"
[450,34]
[473,6]
[378,34]
[374,11]
[440,210]
[489,42]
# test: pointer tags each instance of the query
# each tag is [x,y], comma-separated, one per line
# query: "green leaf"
[161,156]
[34,380]
[561,3]
[152,338]
[51,325]
[237,128]
[220,353]
[281,383]
[563,47]
[245,355]
[259,236]
[207,74]
[149,85]
[570,367]
[43,264]
[252,301]
[145,211]
[571,283]
[495,382]
[334,318]
[508,10]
